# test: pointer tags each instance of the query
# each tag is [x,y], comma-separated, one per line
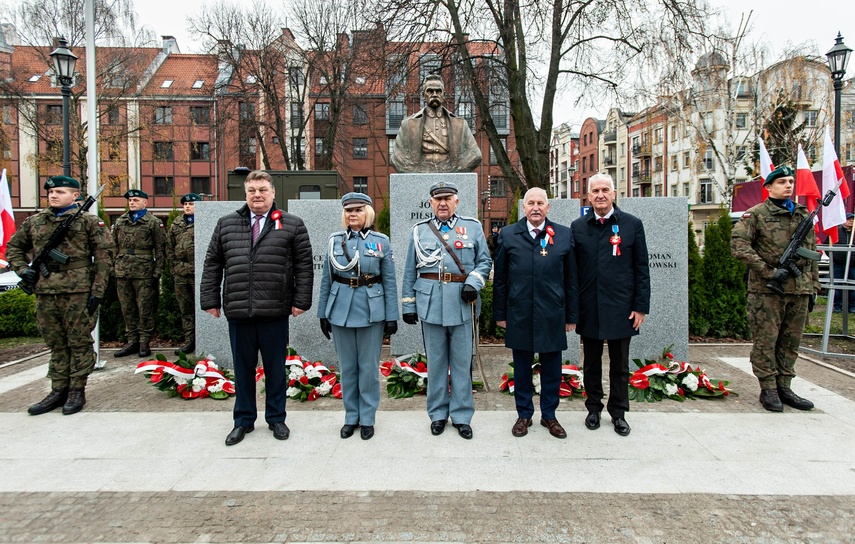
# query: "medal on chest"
[461,232]
[615,241]
[373,248]
[543,243]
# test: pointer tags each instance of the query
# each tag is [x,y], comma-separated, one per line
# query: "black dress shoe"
[463,430]
[366,432]
[129,349]
[520,427]
[436,427]
[347,430]
[621,426]
[770,401]
[187,348]
[75,402]
[593,421]
[237,435]
[52,401]
[280,430]
[791,399]
[145,350]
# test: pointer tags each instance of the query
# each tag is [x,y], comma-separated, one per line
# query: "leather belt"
[143,252]
[73,265]
[358,281]
[446,277]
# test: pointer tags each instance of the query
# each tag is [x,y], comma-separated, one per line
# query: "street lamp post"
[63,67]
[838,58]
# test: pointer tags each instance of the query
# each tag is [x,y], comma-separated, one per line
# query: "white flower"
[298,370]
[324,388]
[291,392]
[420,382]
[311,372]
[535,381]
[537,388]
[292,376]
[198,382]
[216,387]
[691,382]
[670,389]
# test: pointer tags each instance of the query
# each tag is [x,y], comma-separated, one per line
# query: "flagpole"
[92,158]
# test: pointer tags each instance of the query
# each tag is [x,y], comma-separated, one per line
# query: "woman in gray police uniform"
[358,305]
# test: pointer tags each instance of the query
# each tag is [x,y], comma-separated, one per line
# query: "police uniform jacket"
[439,302]
[88,246]
[180,248]
[350,304]
[759,239]
[536,294]
[140,247]
[610,287]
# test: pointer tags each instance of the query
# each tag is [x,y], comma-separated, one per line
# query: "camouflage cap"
[354,200]
[779,172]
[190,197]
[443,188]
[61,181]
[135,192]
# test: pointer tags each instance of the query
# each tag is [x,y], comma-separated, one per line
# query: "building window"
[114,149]
[675,163]
[200,115]
[635,192]
[810,151]
[296,115]
[741,120]
[198,83]
[623,149]
[322,111]
[163,151]
[498,187]
[740,152]
[657,164]
[674,190]
[163,185]
[466,110]
[687,159]
[7,114]
[708,162]
[395,113]
[360,148]
[113,115]
[657,134]
[360,117]
[115,187]
[163,115]
[686,189]
[246,111]
[200,185]
[622,174]
[706,196]
[54,115]
[200,151]
[319,146]
[360,184]
[658,191]
[500,116]
[674,133]
[298,147]
[493,158]
[295,77]
[707,122]
[811,117]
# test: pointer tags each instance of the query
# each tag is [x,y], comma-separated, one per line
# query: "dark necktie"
[536,231]
[256,228]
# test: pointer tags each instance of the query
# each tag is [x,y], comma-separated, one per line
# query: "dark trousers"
[247,339]
[592,349]
[550,380]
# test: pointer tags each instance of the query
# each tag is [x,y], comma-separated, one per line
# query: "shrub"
[486,325]
[18,314]
[698,324]
[724,286]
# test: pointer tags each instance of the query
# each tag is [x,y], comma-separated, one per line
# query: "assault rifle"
[49,252]
[795,250]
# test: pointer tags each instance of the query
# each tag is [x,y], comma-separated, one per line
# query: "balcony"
[609,161]
[706,165]
[610,137]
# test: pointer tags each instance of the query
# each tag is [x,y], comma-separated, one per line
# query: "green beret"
[62,181]
[779,172]
[137,193]
[190,197]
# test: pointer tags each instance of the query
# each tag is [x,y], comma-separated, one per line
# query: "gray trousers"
[359,362]
[449,349]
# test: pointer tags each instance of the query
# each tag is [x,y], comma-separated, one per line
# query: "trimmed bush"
[18,314]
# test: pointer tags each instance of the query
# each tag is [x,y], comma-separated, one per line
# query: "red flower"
[157,375]
[203,393]
[421,367]
[329,378]
[585,394]
[639,381]
[304,380]
[386,368]
[313,394]
[564,390]
[722,388]
[574,383]
[336,391]
[669,355]
[181,387]
[229,388]
[259,373]
[291,383]
[680,390]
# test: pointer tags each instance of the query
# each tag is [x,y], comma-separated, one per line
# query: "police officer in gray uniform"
[447,264]
[357,305]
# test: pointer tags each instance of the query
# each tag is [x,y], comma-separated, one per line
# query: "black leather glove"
[410,319]
[326,328]
[811,302]
[30,276]
[155,282]
[92,305]
[469,294]
[390,328]
[781,275]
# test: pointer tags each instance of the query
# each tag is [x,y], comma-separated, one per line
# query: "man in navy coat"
[535,299]
[614,297]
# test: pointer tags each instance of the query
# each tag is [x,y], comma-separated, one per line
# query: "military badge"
[615,241]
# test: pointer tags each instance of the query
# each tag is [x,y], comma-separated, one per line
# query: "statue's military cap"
[779,172]
[61,181]
[136,192]
[190,197]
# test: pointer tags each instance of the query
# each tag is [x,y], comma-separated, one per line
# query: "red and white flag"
[7,218]
[834,214]
[805,184]
[766,168]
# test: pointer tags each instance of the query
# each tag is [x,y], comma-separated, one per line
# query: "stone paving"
[136,466]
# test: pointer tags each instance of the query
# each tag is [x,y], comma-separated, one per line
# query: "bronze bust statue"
[434,139]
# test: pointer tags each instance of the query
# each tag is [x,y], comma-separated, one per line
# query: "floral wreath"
[676,380]
[307,380]
[190,377]
[405,375]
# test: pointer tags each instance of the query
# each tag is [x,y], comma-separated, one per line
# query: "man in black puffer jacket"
[265,257]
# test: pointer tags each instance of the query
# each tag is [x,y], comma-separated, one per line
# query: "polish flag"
[834,214]
[766,168]
[805,184]
[7,218]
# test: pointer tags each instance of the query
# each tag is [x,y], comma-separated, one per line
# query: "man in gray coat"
[447,264]
[268,259]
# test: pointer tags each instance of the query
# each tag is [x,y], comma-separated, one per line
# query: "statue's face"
[434,94]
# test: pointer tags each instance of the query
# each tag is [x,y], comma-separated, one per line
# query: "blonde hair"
[369,217]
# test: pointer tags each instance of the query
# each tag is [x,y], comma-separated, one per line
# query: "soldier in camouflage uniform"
[180,252]
[68,299]
[777,322]
[139,264]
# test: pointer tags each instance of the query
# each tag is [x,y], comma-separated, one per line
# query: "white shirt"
[260,220]
[611,213]
[532,227]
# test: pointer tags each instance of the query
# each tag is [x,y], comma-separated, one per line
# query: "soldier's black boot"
[130,349]
[187,348]
[75,402]
[54,400]
[770,401]
[791,399]
[145,350]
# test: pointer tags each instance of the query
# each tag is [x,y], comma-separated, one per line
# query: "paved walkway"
[747,476]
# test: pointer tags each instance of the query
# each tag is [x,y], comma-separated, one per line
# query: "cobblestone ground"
[420,516]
